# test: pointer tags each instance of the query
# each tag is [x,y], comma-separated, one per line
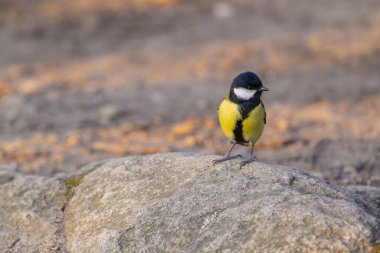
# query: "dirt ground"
[91,79]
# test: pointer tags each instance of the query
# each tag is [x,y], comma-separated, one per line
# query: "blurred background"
[86,80]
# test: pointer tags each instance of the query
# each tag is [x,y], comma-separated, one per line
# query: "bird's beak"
[264,88]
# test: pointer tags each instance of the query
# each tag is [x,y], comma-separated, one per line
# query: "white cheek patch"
[243,93]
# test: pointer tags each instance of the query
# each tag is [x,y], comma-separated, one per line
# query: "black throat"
[245,106]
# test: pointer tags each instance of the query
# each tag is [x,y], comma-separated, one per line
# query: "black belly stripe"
[245,107]
[238,132]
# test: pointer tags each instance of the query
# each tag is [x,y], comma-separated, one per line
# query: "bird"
[242,114]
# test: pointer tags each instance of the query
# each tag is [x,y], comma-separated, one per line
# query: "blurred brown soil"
[86,80]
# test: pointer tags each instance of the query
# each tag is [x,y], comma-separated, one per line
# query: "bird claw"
[251,159]
[225,158]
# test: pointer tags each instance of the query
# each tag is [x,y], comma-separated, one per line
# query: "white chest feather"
[243,93]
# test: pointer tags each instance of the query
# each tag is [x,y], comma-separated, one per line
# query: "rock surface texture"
[31,217]
[181,203]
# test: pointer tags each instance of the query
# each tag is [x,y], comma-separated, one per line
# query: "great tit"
[242,114]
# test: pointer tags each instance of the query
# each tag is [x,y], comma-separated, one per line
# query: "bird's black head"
[245,86]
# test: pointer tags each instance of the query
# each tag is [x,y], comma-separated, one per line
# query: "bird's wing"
[265,113]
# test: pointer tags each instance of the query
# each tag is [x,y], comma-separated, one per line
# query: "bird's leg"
[227,156]
[252,158]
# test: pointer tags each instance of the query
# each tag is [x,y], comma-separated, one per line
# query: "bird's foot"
[225,158]
[249,160]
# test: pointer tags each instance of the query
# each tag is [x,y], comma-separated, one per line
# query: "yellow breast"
[228,116]
[252,125]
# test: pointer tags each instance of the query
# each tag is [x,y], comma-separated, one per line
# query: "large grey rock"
[31,217]
[181,203]
[372,194]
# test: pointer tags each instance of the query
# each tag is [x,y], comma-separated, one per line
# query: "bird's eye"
[250,87]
